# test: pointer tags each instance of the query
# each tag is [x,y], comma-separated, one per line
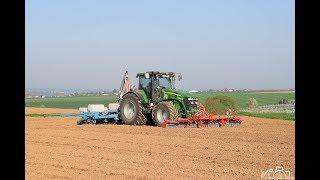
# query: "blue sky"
[214,44]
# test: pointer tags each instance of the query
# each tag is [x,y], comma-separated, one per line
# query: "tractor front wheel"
[164,111]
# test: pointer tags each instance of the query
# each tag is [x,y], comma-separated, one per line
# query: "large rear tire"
[164,111]
[131,110]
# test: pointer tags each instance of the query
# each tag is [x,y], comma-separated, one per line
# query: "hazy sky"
[214,44]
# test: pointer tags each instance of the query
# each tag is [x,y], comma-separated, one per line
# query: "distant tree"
[114,91]
[219,104]
[252,103]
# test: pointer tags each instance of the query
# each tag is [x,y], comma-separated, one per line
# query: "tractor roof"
[156,73]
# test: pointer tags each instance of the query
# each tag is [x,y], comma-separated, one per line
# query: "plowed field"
[56,148]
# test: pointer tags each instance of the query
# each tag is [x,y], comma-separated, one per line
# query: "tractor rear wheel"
[131,110]
[164,111]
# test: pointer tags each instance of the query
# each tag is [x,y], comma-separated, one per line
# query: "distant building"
[193,91]
[61,94]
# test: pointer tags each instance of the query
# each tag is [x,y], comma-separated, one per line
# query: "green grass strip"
[270,115]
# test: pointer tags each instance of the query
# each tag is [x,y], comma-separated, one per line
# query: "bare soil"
[33,110]
[57,148]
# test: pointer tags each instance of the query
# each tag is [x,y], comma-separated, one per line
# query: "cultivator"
[203,119]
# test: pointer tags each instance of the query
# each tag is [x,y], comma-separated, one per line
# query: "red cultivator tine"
[200,124]
[203,119]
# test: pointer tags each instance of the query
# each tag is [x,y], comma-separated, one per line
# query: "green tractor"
[156,97]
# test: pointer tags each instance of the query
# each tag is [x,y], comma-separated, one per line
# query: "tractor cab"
[152,82]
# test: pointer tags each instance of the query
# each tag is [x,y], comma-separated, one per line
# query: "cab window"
[144,82]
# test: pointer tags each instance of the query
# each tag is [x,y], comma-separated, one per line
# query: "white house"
[193,91]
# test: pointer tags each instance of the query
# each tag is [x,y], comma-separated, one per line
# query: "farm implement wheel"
[93,121]
[80,122]
[131,110]
[164,111]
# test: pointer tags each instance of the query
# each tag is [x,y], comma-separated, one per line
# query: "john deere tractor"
[156,97]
